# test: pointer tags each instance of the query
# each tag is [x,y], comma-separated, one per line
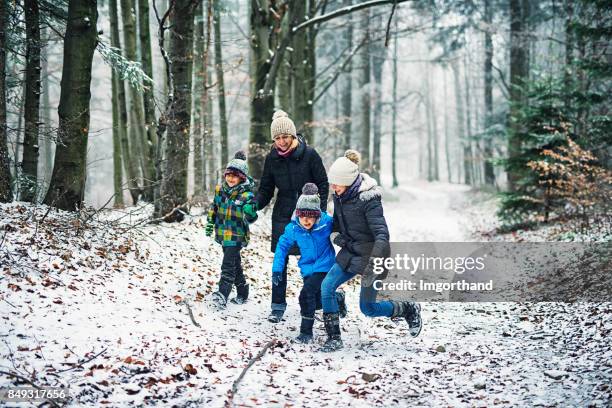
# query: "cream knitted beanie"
[345,169]
[282,125]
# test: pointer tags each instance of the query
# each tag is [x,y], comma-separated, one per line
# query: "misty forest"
[477,120]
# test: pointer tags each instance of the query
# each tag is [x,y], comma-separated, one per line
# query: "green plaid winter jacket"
[231,224]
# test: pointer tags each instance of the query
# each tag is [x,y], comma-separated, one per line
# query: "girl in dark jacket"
[363,235]
[290,164]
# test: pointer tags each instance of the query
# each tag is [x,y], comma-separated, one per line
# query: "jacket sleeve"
[266,186]
[285,242]
[378,226]
[212,211]
[249,198]
[320,178]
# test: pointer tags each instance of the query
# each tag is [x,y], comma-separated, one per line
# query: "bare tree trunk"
[379,54]
[429,118]
[129,164]
[206,101]
[364,89]
[6,195]
[46,139]
[467,146]
[283,84]
[394,112]
[519,71]
[174,182]
[447,151]
[262,105]
[347,88]
[68,180]
[199,76]
[467,167]
[117,171]
[489,172]
[29,163]
[301,69]
[220,84]
[148,96]
[136,129]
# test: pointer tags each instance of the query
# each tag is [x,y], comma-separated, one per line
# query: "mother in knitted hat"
[363,236]
[289,165]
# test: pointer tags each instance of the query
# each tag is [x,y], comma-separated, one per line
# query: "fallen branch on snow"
[258,357]
[190,313]
[11,374]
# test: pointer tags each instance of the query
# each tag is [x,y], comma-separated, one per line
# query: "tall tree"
[6,195]
[394,107]
[174,182]
[347,86]
[118,129]
[220,82]
[302,81]
[199,76]
[149,90]
[519,72]
[136,129]
[32,102]
[206,100]
[379,54]
[363,85]
[130,166]
[489,174]
[459,104]
[68,180]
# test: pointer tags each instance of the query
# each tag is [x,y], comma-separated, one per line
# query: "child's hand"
[250,210]
[209,229]
[276,278]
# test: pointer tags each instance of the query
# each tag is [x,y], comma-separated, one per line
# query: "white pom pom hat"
[345,169]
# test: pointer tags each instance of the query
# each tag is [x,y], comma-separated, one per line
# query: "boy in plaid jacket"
[229,216]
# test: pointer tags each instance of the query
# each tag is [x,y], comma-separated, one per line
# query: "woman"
[363,235]
[289,165]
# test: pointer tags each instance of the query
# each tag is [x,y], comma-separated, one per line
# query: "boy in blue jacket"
[310,229]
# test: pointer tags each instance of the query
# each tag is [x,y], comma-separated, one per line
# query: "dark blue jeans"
[310,300]
[367,297]
[279,292]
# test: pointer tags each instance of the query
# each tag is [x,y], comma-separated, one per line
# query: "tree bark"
[29,165]
[6,194]
[395,182]
[129,164]
[489,172]
[148,93]
[199,76]
[468,155]
[347,87]
[379,54]
[174,182]
[136,130]
[459,103]
[447,151]
[68,180]
[207,104]
[364,90]
[220,83]
[117,163]
[519,71]
[262,103]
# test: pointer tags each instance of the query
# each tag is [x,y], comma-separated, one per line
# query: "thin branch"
[389,24]
[343,11]
[259,355]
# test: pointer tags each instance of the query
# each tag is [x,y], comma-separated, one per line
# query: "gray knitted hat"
[309,203]
[282,125]
[238,165]
[345,169]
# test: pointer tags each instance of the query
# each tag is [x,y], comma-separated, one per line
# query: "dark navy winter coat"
[315,246]
[289,175]
[361,222]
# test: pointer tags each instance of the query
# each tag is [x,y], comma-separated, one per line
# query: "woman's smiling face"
[283,142]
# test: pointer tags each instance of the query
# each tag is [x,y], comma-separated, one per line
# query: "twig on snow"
[190,313]
[258,357]
[11,374]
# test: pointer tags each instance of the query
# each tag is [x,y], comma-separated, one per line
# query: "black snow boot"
[306,335]
[411,311]
[242,294]
[342,310]
[219,300]
[276,316]
[332,327]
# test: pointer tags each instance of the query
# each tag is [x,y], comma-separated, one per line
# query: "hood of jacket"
[369,188]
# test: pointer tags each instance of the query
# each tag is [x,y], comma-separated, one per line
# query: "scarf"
[352,191]
[290,150]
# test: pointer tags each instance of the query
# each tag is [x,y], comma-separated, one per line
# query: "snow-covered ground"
[105,310]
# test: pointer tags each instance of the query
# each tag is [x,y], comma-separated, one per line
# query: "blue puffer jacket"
[317,252]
